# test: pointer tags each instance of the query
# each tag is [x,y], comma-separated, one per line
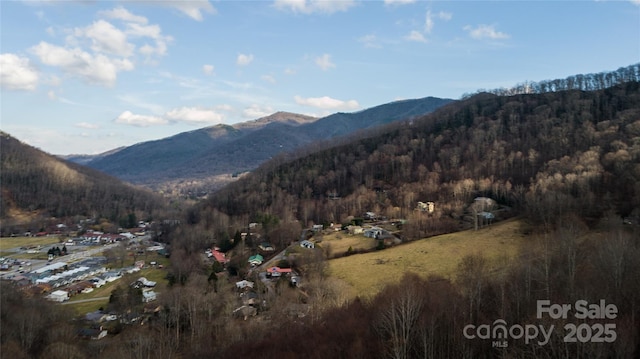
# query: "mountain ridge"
[37,185]
[224,150]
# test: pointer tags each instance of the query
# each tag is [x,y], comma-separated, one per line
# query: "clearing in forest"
[368,273]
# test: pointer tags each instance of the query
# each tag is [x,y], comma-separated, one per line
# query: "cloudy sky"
[88,76]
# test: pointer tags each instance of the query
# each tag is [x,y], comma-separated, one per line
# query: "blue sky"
[88,76]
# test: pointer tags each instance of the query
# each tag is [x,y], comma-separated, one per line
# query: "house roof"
[219,256]
[244,284]
[279,270]
[256,257]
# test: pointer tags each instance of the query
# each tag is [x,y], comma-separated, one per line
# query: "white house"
[148,296]
[147,283]
[244,284]
[58,296]
[373,232]
[355,230]
[307,244]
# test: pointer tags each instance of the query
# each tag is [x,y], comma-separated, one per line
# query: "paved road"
[84,300]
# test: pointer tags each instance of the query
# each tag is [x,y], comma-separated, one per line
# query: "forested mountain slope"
[36,184]
[225,150]
[547,154]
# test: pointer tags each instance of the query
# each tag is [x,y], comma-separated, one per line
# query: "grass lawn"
[340,242]
[7,243]
[367,274]
[42,255]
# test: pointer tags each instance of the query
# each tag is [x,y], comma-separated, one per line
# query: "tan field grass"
[340,242]
[368,273]
[7,243]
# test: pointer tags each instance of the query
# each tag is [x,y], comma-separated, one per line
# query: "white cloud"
[635,2]
[207,69]
[314,6]
[16,73]
[416,36]
[324,62]
[128,118]
[192,8]
[106,38]
[123,14]
[289,71]
[370,41]
[98,69]
[256,111]
[244,60]
[485,32]
[398,2]
[52,95]
[268,78]
[194,115]
[428,22]
[327,103]
[446,16]
[87,125]
[150,31]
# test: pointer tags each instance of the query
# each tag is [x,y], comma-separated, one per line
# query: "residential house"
[307,244]
[317,227]
[143,282]
[96,317]
[277,271]
[148,296]
[111,276]
[484,203]
[58,296]
[219,256]
[428,207]
[256,260]
[244,284]
[266,246]
[249,298]
[355,229]
[97,282]
[92,333]
[373,232]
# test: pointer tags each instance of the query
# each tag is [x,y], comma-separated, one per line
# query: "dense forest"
[36,185]
[543,154]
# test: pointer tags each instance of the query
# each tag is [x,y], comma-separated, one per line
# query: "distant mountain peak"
[280,116]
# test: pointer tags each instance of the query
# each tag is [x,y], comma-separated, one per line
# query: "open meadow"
[338,243]
[8,243]
[366,274]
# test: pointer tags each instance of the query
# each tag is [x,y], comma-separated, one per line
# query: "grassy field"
[340,242]
[7,243]
[366,274]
